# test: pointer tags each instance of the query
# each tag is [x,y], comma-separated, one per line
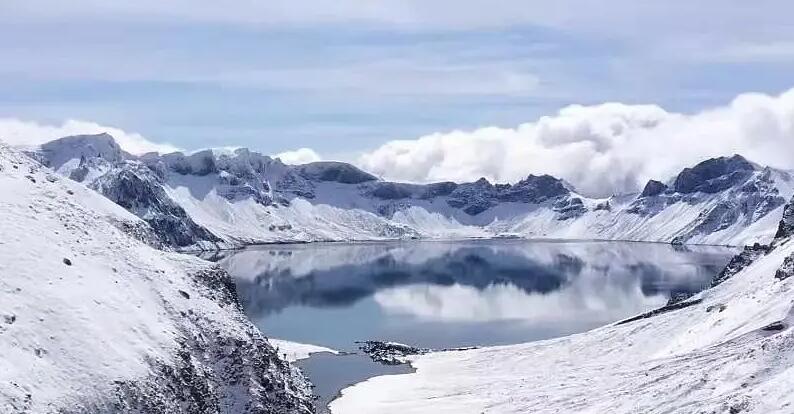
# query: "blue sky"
[346,76]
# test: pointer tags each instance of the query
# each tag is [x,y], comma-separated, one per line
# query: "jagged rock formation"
[138,190]
[653,188]
[714,175]
[786,228]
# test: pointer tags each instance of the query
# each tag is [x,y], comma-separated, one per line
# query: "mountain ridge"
[240,197]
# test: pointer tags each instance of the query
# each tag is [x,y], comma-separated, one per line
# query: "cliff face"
[786,228]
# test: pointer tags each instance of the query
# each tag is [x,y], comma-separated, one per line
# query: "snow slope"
[215,199]
[729,349]
[94,320]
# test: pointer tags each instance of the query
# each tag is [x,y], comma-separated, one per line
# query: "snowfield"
[730,351]
[94,320]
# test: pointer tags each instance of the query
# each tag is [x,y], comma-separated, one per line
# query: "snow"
[243,197]
[83,305]
[294,351]
[713,356]
[345,212]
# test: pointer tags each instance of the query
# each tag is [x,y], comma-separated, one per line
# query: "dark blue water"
[453,294]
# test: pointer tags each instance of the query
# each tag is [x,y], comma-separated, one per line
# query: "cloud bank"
[18,132]
[299,156]
[601,149]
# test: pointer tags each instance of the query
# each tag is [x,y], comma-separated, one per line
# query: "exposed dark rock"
[774,327]
[739,262]
[653,188]
[67,261]
[787,270]
[479,196]
[786,229]
[744,204]
[605,206]
[199,163]
[335,171]
[134,187]
[534,189]
[714,175]
[664,309]
[438,190]
[389,353]
[391,191]
[569,208]
[213,372]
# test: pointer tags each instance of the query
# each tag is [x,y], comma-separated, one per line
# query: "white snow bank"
[709,357]
[294,351]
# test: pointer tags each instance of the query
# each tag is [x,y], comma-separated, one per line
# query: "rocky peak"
[197,163]
[714,175]
[653,188]
[482,182]
[534,189]
[339,172]
[82,147]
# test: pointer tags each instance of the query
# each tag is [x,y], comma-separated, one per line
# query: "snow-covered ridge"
[729,349]
[92,320]
[220,199]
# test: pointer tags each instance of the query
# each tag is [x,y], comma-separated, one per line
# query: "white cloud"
[299,156]
[18,132]
[601,149]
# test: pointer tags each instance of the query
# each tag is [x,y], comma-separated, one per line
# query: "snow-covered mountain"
[95,320]
[229,198]
[729,349]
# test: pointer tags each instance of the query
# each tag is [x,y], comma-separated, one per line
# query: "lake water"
[452,294]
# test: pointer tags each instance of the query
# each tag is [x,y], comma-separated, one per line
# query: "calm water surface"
[452,294]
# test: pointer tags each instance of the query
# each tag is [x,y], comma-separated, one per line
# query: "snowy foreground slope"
[92,319]
[729,349]
[214,199]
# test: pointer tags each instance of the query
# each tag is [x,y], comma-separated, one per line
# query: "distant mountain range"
[210,199]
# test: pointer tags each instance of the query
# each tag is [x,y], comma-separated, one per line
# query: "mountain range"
[217,199]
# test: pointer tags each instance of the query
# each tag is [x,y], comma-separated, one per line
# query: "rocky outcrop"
[335,171]
[653,188]
[479,196]
[217,373]
[739,262]
[134,187]
[714,175]
[787,270]
[786,228]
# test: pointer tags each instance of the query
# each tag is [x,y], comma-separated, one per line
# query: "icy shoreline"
[717,355]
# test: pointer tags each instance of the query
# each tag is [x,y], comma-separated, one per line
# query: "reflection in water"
[450,294]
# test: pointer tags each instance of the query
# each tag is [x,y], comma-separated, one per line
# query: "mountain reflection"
[417,277]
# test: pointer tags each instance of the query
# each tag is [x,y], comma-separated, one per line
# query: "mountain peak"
[63,150]
[335,171]
[714,175]
[653,188]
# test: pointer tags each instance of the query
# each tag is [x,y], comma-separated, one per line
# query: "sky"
[374,82]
